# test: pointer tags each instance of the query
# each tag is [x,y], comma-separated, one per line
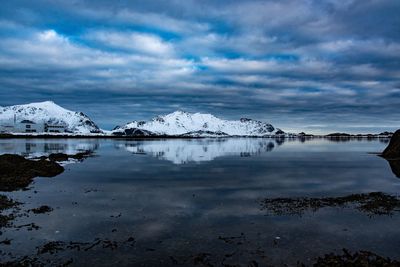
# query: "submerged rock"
[16,172]
[64,157]
[392,151]
[41,209]
[374,203]
[5,204]
[361,258]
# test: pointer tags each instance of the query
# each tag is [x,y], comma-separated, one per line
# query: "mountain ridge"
[176,124]
[182,123]
[50,113]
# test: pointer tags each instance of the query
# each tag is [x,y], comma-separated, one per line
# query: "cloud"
[290,62]
[133,41]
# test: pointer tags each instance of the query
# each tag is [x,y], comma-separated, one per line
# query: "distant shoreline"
[98,136]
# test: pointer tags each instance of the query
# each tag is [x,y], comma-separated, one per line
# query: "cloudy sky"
[317,66]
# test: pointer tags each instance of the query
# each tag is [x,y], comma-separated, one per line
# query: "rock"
[338,135]
[360,258]
[41,209]
[386,133]
[374,203]
[392,151]
[64,157]
[133,132]
[202,133]
[58,157]
[16,172]
[5,204]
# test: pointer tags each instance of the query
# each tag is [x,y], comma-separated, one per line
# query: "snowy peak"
[48,112]
[181,123]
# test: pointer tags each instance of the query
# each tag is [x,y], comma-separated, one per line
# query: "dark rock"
[42,209]
[158,118]
[134,132]
[203,133]
[5,204]
[65,157]
[6,242]
[358,259]
[338,135]
[386,133]
[392,151]
[80,155]
[52,247]
[374,203]
[16,172]
[58,157]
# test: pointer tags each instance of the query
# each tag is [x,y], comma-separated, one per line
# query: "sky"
[303,65]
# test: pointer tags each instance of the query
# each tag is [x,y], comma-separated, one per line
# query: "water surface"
[198,201]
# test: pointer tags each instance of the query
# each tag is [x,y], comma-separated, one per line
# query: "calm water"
[182,199]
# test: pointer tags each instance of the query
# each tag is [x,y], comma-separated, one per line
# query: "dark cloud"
[312,65]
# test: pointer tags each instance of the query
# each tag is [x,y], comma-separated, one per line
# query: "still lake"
[200,201]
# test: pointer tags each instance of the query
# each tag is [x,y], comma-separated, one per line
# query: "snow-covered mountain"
[50,113]
[180,123]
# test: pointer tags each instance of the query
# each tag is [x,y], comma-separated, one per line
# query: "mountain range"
[178,123]
[181,123]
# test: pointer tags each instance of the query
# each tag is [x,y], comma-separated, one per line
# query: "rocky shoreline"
[141,137]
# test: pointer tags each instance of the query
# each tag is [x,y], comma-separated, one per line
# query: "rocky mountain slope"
[180,123]
[51,113]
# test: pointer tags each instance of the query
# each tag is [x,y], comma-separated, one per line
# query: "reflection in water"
[41,147]
[177,151]
[395,166]
[180,151]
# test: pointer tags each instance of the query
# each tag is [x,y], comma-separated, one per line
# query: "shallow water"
[199,201]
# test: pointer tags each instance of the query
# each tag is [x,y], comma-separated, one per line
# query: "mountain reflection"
[37,148]
[180,151]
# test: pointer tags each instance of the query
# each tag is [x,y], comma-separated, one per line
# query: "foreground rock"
[60,157]
[41,209]
[16,172]
[361,259]
[374,203]
[392,151]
